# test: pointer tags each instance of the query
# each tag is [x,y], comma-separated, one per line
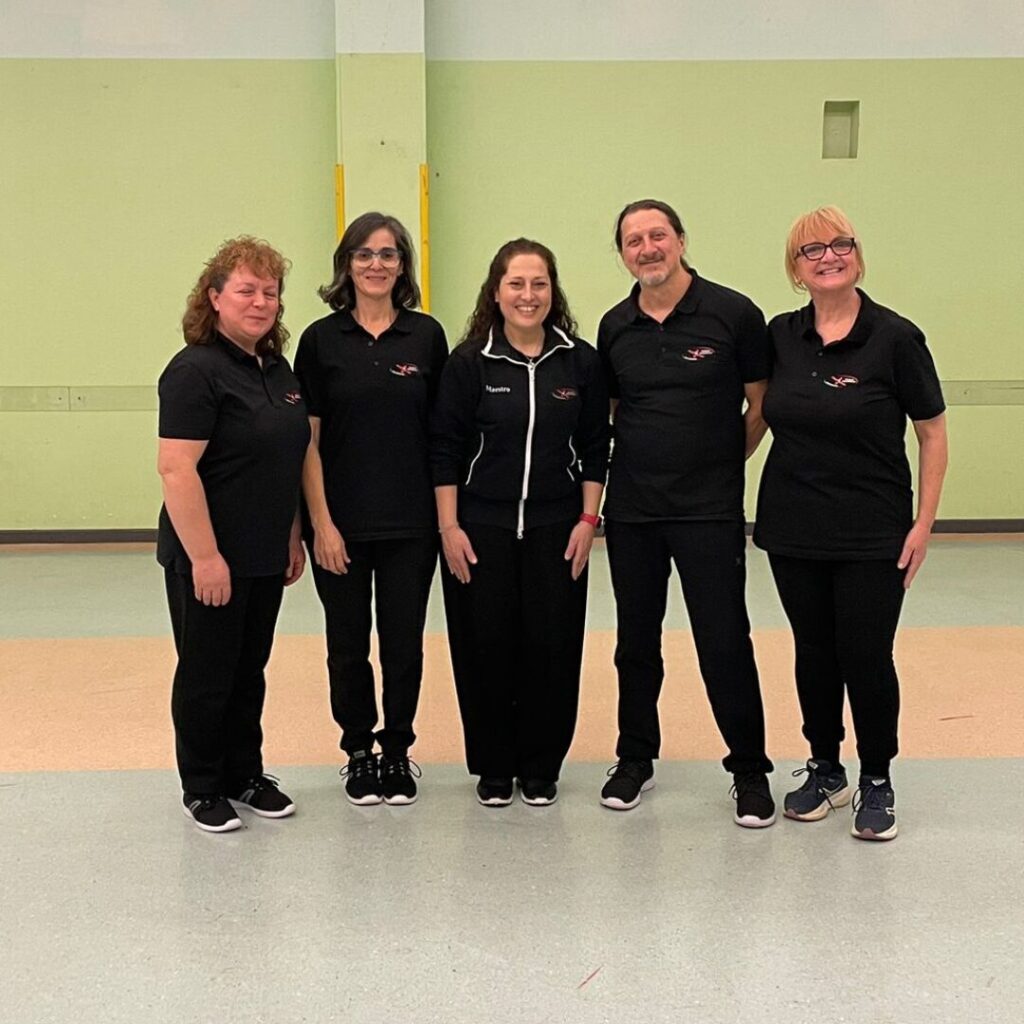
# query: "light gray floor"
[87,594]
[116,909]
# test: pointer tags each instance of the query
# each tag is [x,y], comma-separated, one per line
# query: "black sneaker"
[755,807]
[824,788]
[538,792]
[630,778]
[262,797]
[362,783]
[874,810]
[211,813]
[494,792]
[396,779]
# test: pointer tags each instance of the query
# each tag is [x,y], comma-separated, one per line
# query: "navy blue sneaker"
[824,788]
[874,810]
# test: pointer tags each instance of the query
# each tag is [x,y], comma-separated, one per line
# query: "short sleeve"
[917,382]
[752,344]
[188,403]
[309,371]
[604,353]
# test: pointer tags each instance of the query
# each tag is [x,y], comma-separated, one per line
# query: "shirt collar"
[239,353]
[687,304]
[403,322]
[860,332]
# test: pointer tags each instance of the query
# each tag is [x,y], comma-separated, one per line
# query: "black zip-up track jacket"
[517,435]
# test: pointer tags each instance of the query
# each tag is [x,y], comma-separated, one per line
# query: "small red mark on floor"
[590,977]
[955,718]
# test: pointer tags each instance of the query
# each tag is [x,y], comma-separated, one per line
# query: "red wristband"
[594,521]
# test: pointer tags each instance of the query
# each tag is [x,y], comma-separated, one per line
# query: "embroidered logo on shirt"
[405,370]
[564,394]
[841,380]
[497,391]
[697,353]
[293,397]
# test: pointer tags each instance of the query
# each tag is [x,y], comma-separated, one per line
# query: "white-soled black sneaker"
[262,796]
[362,779]
[629,779]
[538,792]
[495,792]
[210,813]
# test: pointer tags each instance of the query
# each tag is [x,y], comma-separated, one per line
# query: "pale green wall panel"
[554,150]
[119,178]
[79,471]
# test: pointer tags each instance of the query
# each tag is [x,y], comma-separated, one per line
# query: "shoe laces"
[399,766]
[746,782]
[631,767]
[358,767]
[815,780]
[260,782]
[870,797]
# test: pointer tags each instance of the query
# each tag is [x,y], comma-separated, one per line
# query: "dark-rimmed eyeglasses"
[388,257]
[815,250]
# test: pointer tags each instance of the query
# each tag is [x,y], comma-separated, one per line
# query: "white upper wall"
[726,30]
[514,29]
[170,29]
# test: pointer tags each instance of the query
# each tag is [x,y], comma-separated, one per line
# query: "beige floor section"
[103,704]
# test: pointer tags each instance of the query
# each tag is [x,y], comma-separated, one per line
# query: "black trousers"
[516,637]
[219,686]
[710,558]
[393,578]
[844,617]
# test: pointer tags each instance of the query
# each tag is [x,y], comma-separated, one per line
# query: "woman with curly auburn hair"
[370,371]
[835,509]
[233,434]
[519,453]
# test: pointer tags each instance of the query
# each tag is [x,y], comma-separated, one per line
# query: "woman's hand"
[915,550]
[458,552]
[211,579]
[581,540]
[329,549]
[296,559]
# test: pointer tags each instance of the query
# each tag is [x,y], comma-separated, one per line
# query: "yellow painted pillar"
[382,139]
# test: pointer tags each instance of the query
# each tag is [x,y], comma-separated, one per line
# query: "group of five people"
[500,451]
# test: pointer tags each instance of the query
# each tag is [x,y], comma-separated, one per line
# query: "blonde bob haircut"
[199,324]
[821,225]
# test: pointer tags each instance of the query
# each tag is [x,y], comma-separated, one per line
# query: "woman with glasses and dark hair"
[370,371]
[835,510]
[519,453]
[233,434]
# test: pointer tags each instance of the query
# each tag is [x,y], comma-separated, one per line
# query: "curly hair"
[199,324]
[341,293]
[487,315]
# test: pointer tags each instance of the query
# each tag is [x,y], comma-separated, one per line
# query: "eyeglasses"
[815,250]
[388,257]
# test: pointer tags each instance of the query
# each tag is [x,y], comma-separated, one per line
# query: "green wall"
[554,150]
[118,178]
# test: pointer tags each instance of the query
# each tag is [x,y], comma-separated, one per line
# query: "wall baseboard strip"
[149,536]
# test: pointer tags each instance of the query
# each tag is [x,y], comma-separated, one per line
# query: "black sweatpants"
[516,637]
[844,617]
[710,558]
[219,686]
[393,578]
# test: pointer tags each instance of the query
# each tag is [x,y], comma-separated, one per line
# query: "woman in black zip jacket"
[519,451]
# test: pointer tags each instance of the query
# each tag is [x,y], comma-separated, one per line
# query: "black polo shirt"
[837,483]
[373,397]
[257,429]
[679,434]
